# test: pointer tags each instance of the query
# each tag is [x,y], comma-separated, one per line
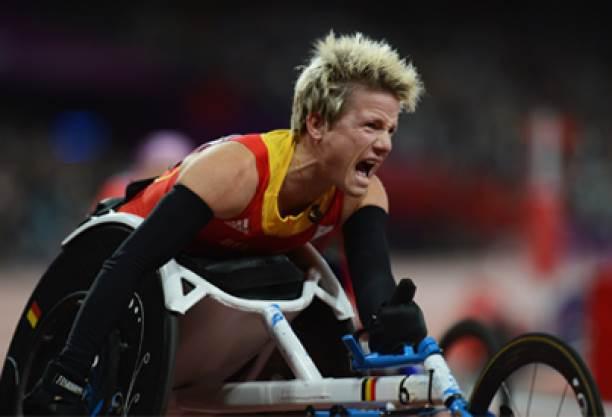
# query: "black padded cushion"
[106,205]
[112,203]
[272,277]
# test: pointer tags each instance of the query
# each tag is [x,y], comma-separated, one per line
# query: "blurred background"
[500,184]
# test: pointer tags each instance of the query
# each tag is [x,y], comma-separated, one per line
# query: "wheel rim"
[540,390]
[111,375]
[543,373]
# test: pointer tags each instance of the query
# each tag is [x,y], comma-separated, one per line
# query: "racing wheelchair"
[263,336]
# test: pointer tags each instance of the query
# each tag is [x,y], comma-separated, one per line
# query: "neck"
[304,183]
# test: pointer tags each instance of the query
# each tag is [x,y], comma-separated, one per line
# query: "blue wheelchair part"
[93,403]
[459,407]
[361,361]
[96,410]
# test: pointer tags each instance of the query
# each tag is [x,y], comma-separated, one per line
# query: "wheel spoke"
[533,378]
[562,399]
[513,405]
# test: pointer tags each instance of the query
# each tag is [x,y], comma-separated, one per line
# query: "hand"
[398,322]
[58,392]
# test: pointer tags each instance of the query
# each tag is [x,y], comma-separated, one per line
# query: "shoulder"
[375,196]
[230,149]
[225,176]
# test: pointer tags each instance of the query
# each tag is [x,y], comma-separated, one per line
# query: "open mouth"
[364,168]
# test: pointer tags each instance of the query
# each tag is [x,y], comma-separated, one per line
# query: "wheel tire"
[133,370]
[537,348]
[470,328]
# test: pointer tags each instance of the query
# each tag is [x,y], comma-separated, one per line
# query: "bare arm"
[224,176]
[376,196]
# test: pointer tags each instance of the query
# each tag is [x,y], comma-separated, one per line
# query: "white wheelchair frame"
[433,385]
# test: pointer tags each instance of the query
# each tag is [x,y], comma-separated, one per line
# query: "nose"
[383,145]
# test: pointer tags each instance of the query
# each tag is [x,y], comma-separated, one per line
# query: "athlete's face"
[358,142]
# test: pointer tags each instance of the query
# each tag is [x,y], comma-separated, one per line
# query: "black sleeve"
[173,224]
[367,254]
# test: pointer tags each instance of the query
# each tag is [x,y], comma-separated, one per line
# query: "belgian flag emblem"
[368,389]
[33,314]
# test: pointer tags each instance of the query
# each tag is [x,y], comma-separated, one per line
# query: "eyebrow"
[378,118]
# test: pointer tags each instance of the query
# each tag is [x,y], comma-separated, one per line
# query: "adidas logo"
[241,225]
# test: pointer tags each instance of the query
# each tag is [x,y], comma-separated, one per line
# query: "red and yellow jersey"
[259,229]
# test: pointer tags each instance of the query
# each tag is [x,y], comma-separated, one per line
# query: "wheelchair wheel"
[470,329]
[548,378]
[132,373]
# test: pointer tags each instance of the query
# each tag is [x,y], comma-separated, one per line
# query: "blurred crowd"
[81,96]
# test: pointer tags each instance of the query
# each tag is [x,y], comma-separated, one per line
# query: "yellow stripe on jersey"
[167,175]
[280,151]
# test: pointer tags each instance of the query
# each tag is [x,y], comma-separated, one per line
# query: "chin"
[355,192]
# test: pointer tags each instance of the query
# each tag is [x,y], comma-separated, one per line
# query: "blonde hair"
[339,63]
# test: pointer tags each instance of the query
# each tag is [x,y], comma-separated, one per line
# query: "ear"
[316,126]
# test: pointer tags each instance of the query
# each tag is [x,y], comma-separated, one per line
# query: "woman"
[268,193]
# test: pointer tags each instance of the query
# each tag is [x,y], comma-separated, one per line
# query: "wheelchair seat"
[273,277]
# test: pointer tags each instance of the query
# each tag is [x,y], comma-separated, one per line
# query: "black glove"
[59,392]
[397,322]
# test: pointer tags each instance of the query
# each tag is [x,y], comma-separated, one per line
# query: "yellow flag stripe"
[368,389]
[32,318]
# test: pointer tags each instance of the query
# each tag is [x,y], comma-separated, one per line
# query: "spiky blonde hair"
[340,62]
